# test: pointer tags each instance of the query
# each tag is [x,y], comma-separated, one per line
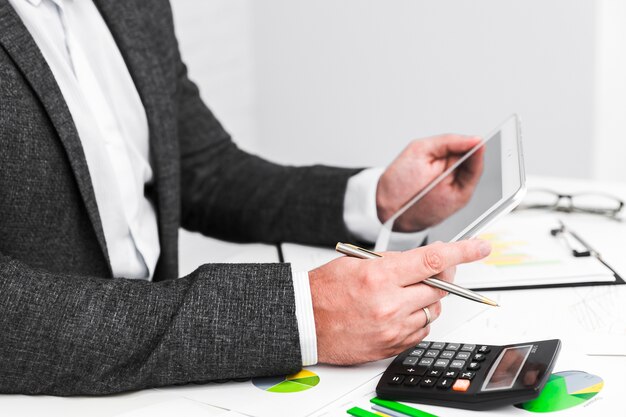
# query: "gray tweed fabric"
[67,327]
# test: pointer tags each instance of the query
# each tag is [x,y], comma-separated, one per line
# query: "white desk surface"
[607,236]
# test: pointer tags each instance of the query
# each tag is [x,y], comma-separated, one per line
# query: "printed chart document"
[297,395]
[524,253]
[178,407]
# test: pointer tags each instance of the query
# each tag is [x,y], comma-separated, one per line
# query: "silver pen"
[357,252]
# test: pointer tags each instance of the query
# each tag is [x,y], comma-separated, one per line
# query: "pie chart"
[301,381]
[564,390]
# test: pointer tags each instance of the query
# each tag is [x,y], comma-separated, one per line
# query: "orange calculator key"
[461,385]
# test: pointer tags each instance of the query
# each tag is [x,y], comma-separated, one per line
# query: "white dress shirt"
[110,120]
[113,129]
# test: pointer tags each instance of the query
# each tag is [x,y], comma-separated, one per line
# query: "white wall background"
[308,81]
[336,75]
[609,137]
[215,38]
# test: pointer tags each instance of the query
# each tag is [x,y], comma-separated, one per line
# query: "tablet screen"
[487,193]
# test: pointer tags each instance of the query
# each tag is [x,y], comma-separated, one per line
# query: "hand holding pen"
[357,252]
[369,309]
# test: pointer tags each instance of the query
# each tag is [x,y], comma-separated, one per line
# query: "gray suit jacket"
[66,327]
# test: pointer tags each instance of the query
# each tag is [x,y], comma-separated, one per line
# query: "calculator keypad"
[417,352]
[410,361]
[411,381]
[463,355]
[445,383]
[432,353]
[474,366]
[427,361]
[441,365]
[457,364]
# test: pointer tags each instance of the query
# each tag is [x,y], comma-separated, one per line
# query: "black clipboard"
[618,281]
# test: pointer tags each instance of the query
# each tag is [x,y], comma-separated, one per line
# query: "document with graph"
[525,254]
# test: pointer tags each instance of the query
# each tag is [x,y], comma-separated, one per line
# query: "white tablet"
[500,189]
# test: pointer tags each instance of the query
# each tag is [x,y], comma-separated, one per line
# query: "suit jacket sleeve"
[69,335]
[234,195]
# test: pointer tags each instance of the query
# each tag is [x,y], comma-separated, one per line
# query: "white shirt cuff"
[305,317]
[360,213]
[359,209]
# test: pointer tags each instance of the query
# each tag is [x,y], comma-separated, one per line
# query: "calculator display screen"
[507,368]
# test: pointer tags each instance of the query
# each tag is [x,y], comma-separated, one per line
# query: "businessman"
[106,150]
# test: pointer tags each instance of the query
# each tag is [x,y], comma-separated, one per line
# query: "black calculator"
[469,376]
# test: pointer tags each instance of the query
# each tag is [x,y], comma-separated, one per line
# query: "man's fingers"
[415,265]
[445,145]
[448,274]
[413,339]
[416,322]
[434,310]
[416,296]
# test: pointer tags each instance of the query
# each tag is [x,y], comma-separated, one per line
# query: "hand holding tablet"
[492,172]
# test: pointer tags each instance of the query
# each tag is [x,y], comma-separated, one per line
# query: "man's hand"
[369,309]
[420,163]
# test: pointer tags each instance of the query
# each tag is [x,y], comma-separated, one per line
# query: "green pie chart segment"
[564,390]
[301,381]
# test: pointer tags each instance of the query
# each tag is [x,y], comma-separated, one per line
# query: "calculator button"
[426,361]
[467,375]
[463,355]
[457,364]
[416,370]
[396,380]
[474,366]
[434,372]
[450,374]
[447,354]
[453,346]
[423,345]
[412,381]
[484,349]
[431,353]
[437,345]
[442,363]
[416,352]
[479,357]
[428,382]
[468,348]
[410,361]
[445,383]
[461,385]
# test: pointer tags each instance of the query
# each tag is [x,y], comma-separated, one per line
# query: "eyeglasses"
[591,202]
